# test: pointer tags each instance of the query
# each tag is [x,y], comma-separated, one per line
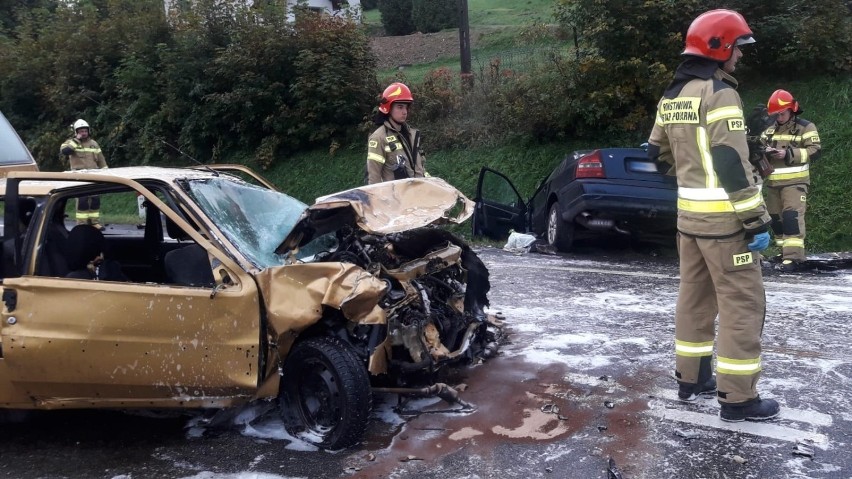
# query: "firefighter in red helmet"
[792,144]
[393,150]
[722,221]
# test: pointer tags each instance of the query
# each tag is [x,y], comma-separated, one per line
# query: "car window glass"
[254,219]
[12,149]
[315,248]
[495,188]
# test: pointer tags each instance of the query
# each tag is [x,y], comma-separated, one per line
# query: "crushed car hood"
[382,208]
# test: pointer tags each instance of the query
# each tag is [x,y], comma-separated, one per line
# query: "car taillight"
[591,166]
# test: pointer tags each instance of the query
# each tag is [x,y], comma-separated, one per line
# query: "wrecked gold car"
[234,292]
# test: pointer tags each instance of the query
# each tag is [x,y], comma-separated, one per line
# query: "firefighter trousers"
[720,276]
[787,205]
[88,210]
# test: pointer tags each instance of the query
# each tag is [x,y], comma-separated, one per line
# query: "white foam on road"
[662,409]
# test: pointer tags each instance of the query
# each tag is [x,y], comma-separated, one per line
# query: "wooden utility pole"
[464,44]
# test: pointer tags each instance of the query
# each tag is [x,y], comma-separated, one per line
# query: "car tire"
[559,233]
[325,396]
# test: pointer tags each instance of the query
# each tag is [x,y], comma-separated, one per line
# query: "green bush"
[434,15]
[369,4]
[801,37]
[216,82]
[396,17]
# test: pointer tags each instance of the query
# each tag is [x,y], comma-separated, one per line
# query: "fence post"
[464,45]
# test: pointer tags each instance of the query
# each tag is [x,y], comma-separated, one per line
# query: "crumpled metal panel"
[296,294]
[394,206]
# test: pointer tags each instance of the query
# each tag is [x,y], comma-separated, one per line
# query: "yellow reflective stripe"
[788,176]
[793,243]
[739,367]
[702,193]
[82,215]
[783,137]
[793,169]
[376,157]
[710,180]
[705,206]
[748,203]
[724,113]
[809,134]
[88,150]
[779,242]
[803,155]
[686,348]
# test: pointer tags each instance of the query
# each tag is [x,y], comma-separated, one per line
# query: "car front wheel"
[560,234]
[325,394]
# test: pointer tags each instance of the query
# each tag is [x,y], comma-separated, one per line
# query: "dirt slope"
[416,48]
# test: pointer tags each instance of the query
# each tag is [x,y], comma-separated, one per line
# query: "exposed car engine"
[435,299]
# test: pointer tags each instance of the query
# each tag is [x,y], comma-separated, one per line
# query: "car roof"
[136,173]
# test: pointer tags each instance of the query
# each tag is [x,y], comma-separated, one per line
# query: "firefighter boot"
[788,266]
[752,410]
[706,385]
[689,392]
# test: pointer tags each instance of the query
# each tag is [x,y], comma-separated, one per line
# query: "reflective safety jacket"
[700,129]
[800,139]
[393,152]
[87,154]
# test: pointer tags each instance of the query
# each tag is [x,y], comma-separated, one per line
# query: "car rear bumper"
[641,207]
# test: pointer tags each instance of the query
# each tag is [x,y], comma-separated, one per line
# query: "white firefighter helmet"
[81,123]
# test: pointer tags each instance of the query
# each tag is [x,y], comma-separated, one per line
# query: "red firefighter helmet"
[780,101]
[394,93]
[715,33]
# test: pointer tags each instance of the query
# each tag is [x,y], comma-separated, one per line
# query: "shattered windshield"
[254,219]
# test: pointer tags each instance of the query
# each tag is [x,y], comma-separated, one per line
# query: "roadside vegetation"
[550,76]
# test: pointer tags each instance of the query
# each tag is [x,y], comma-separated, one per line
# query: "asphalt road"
[584,382]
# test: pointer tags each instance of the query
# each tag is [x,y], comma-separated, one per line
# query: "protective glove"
[760,242]
[68,151]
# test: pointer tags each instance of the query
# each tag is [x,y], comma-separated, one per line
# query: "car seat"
[53,261]
[189,266]
[84,243]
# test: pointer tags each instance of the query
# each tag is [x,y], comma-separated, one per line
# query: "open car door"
[499,207]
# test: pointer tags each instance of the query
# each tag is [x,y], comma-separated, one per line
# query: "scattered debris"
[736,458]
[602,428]
[804,448]
[550,408]
[543,248]
[688,433]
[548,469]
[519,243]
[609,404]
[370,457]
[410,458]
[352,470]
[612,471]
[604,378]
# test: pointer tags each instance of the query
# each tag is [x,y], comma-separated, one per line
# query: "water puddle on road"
[516,402]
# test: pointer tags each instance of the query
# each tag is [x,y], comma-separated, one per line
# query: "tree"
[396,16]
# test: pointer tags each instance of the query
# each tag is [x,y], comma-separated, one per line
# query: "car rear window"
[12,149]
